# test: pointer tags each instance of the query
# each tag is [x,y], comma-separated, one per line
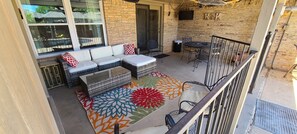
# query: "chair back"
[186,39]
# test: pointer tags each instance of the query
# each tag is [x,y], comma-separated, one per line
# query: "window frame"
[71,26]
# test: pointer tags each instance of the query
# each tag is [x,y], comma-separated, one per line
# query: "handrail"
[241,42]
[183,124]
[228,55]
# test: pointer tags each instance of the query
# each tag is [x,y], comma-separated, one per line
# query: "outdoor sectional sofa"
[103,58]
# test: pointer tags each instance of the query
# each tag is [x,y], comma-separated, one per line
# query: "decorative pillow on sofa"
[129,49]
[70,59]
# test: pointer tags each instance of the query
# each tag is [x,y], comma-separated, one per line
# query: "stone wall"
[287,52]
[236,21]
[170,28]
[120,20]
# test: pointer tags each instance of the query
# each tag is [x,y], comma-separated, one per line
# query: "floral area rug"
[130,103]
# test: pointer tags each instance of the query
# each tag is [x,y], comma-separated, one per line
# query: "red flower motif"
[159,74]
[85,100]
[147,98]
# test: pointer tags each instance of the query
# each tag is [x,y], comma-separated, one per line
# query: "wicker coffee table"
[102,81]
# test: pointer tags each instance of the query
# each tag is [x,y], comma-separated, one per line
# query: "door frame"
[146,8]
[161,32]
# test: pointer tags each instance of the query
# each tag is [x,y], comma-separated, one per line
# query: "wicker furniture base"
[138,72]
[102,81]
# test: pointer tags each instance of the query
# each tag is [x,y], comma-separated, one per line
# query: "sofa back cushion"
[81,55]
[118,49]
[101,52]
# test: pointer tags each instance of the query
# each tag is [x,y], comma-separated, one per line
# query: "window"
[88,23]
[51,22]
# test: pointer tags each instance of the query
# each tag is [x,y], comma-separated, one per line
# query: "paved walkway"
[278,90]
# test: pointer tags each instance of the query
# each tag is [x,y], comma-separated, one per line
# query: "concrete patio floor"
[74,117]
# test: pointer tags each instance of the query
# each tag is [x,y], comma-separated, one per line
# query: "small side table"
[52,74]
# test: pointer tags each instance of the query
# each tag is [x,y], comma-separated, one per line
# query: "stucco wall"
[287,53]
[24,105]
[235,21]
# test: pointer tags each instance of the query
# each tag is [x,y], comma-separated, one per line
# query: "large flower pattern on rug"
[147,98]
[114,103]
[130,103]
[170,87]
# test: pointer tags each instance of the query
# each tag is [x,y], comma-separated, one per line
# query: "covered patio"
[127,66]
[71,111]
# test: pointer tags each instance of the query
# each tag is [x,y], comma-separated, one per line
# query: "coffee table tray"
[102,81]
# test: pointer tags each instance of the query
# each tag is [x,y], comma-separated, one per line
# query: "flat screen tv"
[186,15]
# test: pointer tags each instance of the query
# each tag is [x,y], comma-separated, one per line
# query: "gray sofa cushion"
[83,65]
[82,55]
[106,60]
[139,60]
[101,52]
[122,56]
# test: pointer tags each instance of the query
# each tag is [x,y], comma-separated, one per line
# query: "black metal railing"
[221,101]
[224,56]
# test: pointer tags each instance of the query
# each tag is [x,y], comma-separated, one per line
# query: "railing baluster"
[217,111]
[186,132]
[222,108]
[225,104]
[209,71]
[231,98]
[217,59]
[231,57]
[215,62]
[244,72]
[222,100]
[237,51]
[225,56]
[210,114]
[221,56]
[200,123]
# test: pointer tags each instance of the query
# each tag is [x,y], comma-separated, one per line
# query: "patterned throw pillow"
[70,59]
[129,49]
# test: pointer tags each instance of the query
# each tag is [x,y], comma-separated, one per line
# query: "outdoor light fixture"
[134,1]
[214,2]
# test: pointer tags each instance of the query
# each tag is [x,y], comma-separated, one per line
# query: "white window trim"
[49,24]
[88,23]
[70,23]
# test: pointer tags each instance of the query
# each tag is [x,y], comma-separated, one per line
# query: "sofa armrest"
[137,51]
[63,63]
[65,68]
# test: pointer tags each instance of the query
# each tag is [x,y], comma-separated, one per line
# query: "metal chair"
[191,97]
[173,117]
[202,55]
[189,50]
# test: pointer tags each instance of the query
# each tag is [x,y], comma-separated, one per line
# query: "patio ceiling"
[202,2]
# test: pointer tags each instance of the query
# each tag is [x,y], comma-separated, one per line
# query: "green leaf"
[148,81]
[140,113]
